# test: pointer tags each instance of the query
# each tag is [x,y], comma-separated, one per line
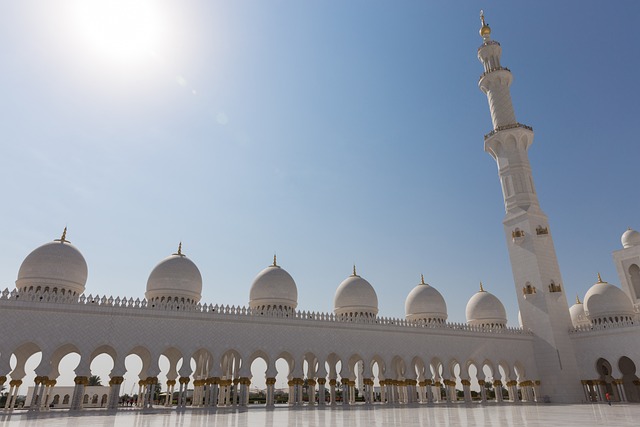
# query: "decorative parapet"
[487,43]
[604,326]
[98,303]
[491,70]
[505,127]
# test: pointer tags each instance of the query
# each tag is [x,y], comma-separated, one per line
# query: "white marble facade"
[558,353]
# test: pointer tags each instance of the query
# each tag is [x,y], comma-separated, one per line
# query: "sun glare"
[122,30]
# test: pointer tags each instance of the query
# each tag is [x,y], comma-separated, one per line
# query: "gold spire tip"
[179,253]
[578,299]
[599,278]
[63,238]
[422,279]
[485,30]
[354,270]
[481,288]
[274,261]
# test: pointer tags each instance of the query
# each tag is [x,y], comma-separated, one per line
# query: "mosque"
[581,353]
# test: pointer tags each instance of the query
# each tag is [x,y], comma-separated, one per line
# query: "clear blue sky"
[330,132]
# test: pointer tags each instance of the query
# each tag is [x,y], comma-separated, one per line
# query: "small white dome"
[175,278]
[630,238]
[578,317]
[57,265]
[355,297]
[273,288]
[485,309]
[424,302]
[605,302]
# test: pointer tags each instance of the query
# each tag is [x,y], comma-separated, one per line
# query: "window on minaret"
[634,276]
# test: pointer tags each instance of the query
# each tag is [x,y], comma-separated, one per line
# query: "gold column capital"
[270,381]
[81,380]
[322,381]
[465,382]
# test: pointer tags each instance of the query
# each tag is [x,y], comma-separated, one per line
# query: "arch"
[22,354]
[629,378]
[634,278]
[419,367]
[65,399]
[56,357]
[604,370]
[398,368]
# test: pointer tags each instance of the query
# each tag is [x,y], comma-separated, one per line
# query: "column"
[245,382]
[345,392]
[11,399]
[383,391]
[411,391]
[466,389]
[497,386]
[215,391]
[78,392]
[536,390]
[511,389]
[270,391]
[168,400]
[114,392]
[483,391]
[332,391]
[429,390]
[368,391]
[621,393]
[311,391]
[182,394]
[437,391]
[7,402]
[37,390]
[321,392]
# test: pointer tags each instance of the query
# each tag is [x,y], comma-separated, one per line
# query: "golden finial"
[274,261]
[354,270]
[578,299]
[485,31]
[179,253]
[422,279]
[63,238]
[599,278]
[481,288]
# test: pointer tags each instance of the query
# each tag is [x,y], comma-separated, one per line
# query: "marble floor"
[619,415]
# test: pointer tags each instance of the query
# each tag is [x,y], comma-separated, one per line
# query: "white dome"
[175,278]
[424,302]
[630,238]
[605,302]
[578,317]
[355,297]
[273,288]
[56,265]
[485,309]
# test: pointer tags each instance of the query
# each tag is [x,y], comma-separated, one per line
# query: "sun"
[121,30]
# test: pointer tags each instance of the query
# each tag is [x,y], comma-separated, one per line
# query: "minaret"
[543,304]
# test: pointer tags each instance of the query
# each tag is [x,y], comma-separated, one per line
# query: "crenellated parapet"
[107,304]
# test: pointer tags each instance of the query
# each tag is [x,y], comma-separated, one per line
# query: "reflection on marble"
[359,416]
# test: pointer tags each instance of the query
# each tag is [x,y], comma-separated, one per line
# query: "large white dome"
[56,266]
[630,238]
[355,297]
[175,278]
[578,317]
[485,309]
[605,302]
[273,288]
[424,302]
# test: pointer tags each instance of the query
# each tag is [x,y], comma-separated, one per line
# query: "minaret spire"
[529,241]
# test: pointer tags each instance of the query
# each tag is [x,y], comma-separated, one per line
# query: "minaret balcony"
[488,43]
[505,127]
[492,70]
